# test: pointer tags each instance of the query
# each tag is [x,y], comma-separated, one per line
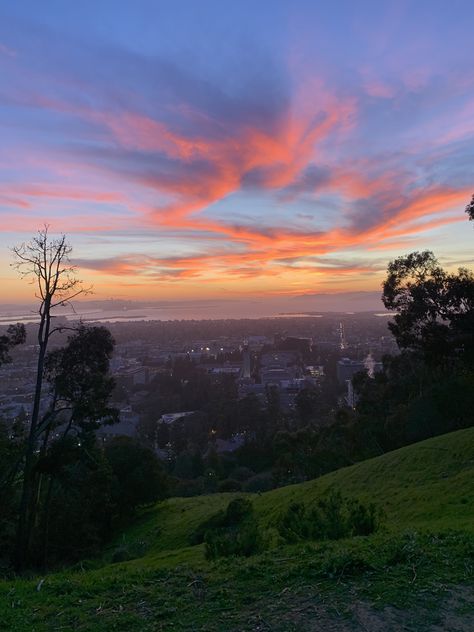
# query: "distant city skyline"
[236,151]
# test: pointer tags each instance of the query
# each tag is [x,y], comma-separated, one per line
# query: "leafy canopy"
[434,308]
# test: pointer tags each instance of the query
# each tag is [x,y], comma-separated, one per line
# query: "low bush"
[334,517]
[231,532]
[214,522]
[363,519]
[237,510]
[243,540]
[129,551]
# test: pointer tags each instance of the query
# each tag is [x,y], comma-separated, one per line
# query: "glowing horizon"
[191,150]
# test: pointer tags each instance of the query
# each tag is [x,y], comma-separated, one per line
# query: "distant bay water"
[117,310]
[137,315]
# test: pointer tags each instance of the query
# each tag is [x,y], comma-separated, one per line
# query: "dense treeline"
[81,487]
[85,491]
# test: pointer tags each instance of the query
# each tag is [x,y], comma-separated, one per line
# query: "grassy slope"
[429,484]
[428,487]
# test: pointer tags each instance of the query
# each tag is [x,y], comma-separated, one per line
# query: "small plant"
[231,532]
[242,539]
[333,518]
[294,524]
[129,551]
[330,520]
[364,519]
[214,522]
[237,510]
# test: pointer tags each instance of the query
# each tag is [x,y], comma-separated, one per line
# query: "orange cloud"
[274,158]
[202,168]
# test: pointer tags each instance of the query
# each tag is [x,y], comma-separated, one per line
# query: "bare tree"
[45,262]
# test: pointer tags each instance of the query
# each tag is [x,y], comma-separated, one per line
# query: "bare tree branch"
[45,262]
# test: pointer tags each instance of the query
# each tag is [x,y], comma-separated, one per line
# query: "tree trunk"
[27,507]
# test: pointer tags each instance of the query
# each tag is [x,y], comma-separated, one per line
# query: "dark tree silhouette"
[45,262]
[80,388]
[470,209]
[80,384]
[16,335]
[138,473]
[434,308]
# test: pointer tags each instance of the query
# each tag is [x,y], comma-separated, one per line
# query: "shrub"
[293,525]
[332,518]
[129,551]
[237,510]
[243,540]
[214,522]
[363,519]
[231,532]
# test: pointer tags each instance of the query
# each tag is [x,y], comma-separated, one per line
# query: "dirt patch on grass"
[295,613]
[457,612]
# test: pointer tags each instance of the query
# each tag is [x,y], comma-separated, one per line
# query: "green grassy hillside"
[425,485]
[415,574]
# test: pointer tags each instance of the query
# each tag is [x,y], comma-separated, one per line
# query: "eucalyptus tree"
[45,262]
[434,308]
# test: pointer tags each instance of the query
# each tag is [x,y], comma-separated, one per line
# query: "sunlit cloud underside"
[203,153]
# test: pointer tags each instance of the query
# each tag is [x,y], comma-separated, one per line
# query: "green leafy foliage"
[241,540]
[434,308]
[79,379]
[234,531]
[332,518]
[15,335]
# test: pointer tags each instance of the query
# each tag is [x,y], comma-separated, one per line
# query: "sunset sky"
[232,149]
